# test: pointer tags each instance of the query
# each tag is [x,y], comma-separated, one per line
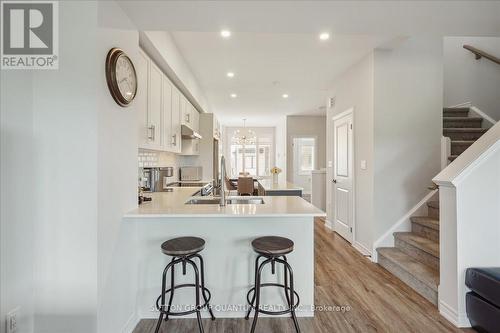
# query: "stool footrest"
[187,285]
[273,313]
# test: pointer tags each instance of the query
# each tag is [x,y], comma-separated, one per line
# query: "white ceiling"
[266,66]
[276,41]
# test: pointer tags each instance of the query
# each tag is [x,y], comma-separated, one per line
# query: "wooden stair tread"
[426,221]
[420,271]
[422,243]
[452,157]
[433,204]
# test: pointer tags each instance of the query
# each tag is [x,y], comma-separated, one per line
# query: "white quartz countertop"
[269,185]
[173,204]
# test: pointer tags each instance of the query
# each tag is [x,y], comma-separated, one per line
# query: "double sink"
[229,201]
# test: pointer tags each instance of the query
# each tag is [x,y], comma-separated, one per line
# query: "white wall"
[354,89]
[314,126]
[407,126]
[469,80]
[396,95]
[117,179]
[17,219]
[65,168]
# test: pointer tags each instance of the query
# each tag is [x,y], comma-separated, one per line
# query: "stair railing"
[480,54]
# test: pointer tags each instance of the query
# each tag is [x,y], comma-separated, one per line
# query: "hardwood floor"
[377,300]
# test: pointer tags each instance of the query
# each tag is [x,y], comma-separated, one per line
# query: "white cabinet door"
[167,114]
[175,135]
[155,106]
[141,100]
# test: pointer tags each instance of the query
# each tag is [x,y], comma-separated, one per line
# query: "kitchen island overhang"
[229,259]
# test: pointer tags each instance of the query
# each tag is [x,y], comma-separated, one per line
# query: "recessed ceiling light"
[234,95]
[285,95]
[230,74]
[225,33]
[324,36]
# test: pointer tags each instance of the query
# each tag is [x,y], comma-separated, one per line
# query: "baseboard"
[403,224]
[329,224]
[362,249]
[459,320]
[131,323]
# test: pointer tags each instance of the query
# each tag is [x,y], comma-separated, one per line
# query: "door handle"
[334,181]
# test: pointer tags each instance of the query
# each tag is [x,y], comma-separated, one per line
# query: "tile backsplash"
[147,158]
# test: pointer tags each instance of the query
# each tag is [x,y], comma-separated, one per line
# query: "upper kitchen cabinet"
[141,99]
[149,101]
[175,136]
[167,114]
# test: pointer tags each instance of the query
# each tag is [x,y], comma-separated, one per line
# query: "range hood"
[188,133]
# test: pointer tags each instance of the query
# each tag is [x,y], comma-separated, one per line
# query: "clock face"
[121,77]
[125,77]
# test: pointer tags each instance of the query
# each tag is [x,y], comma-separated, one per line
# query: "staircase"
[462,129]
[415,256]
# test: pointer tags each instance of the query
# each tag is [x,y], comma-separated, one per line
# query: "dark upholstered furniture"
[483,301]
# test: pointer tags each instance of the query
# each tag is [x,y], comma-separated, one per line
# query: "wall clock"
[121,77]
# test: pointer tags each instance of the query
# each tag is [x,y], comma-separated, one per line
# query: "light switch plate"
[363,164]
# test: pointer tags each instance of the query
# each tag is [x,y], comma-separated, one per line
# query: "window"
[257,158]
[306,155]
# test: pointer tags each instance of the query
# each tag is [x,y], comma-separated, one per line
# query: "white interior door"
[304,161]
[342,182]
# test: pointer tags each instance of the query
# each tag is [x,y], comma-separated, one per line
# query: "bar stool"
[274,250]
[183,250]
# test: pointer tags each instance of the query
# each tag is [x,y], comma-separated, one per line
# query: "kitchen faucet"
[222,181]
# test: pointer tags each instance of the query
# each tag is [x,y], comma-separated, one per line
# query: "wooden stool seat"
[272,245]
[183,246]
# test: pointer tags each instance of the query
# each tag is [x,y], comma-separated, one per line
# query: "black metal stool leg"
[285,271]
[163,288]
[257,296]
[255,284]
[172,285]
[197,286]
[292,296]
[203,292]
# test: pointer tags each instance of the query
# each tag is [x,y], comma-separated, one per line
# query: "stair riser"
[433,212]
[461,113]
[424,231]
[457,149]
[465,136]
[409,279]
[417,253]
[472,123]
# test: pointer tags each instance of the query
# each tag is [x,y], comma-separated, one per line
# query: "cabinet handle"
[188,118]
[152,133]
[174,140]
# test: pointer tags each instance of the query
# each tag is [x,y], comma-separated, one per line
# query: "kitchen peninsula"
[228,255]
